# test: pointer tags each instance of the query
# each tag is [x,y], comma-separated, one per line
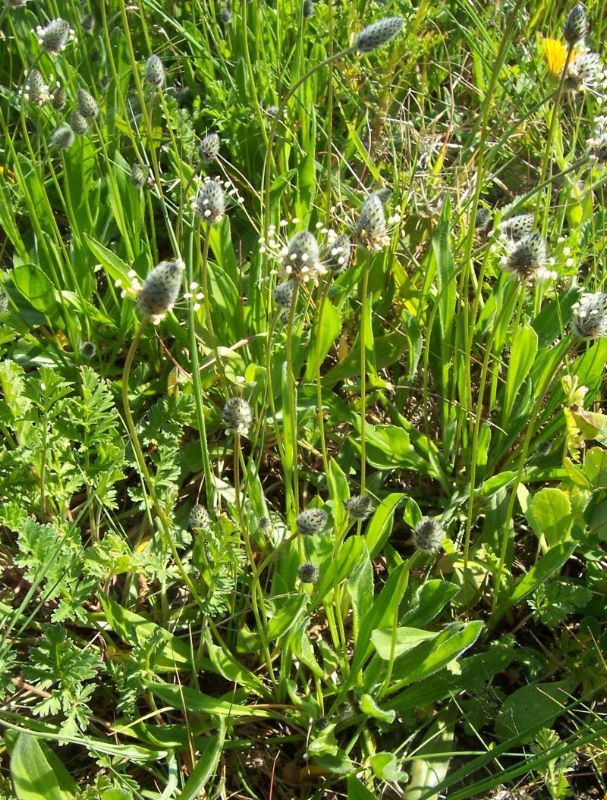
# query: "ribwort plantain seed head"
[160,289]
[377,34]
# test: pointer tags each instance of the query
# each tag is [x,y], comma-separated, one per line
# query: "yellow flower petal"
[555,53]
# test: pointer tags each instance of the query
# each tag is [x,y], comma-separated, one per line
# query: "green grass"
[143,657]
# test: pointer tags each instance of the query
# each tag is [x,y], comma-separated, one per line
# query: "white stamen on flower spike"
[210,202]
[310,521]
[597,146]
[589,320]
[35,88]
[302,259]
[586,73]
[339,252]
[371,228]
[237,415]
[525,257]
[54,36]
[428,535]
[154,73]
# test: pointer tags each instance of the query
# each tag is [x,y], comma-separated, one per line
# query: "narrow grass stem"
[319,401]
[132,430]
[207,306]
[363,372]
[329,156]
[411,564]
[292,410]
[256,591]
[470,321]
[204,448]
[524,449]
[552,128]
[269,157]
[252,83]
[479,415]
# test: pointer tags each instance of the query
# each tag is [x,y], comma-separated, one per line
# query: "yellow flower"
[555,53]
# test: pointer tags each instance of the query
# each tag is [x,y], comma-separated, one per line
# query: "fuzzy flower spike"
[87,105]
[62,138]
[237,415]
[586,73]
[359,507]
[576,25]
[372,228]
[339,252]
[302,259]
[525,257]
[377,34]
[517,227]
[199,518]
[35,88]
[54,36]
[428,535]
[209,147]
[308,573]
[160,289]
[154,73]
[310,521]
[597,146]
[210,202]
[589,319]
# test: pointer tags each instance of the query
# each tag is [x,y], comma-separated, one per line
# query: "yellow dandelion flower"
[555,53]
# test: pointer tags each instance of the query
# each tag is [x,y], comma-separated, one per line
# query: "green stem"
[329,117]
[207,307]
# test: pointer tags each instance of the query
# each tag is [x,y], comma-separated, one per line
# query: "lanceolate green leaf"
[522,356]
[182,697]
[205,766]
[379,615]
[545,567]
[429,657]
[379,527]
[37,773]
[323,335]
[133,627]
